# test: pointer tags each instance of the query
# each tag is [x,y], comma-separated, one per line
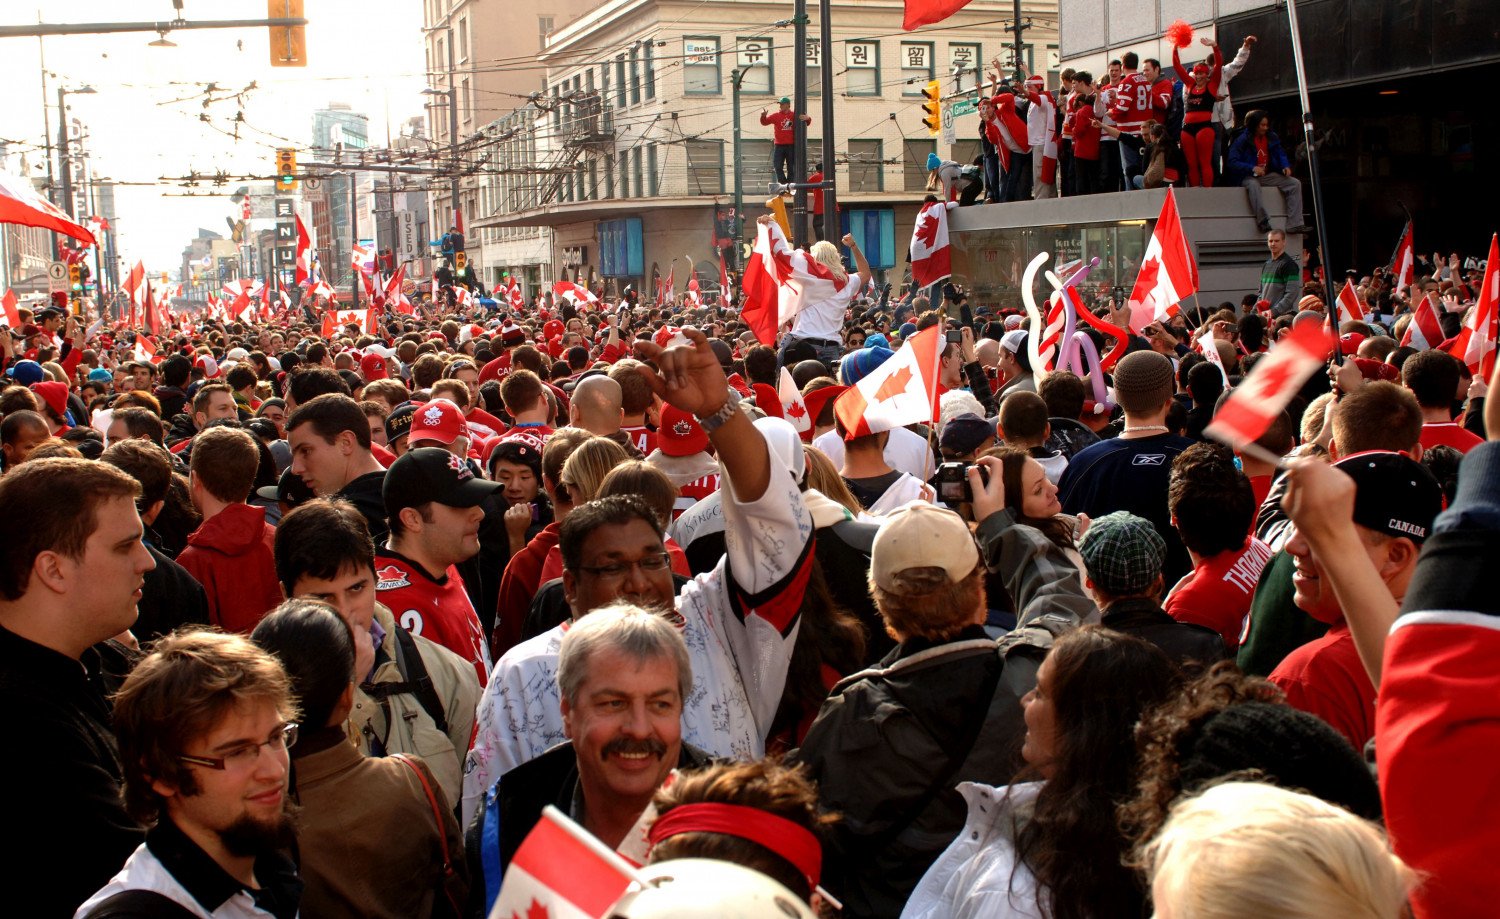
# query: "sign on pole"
[57,277]
[284,207]
[948,134]
[406,234]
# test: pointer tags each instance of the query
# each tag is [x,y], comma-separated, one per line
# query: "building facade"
[634,141]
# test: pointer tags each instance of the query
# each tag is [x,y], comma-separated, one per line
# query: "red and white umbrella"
[19,203]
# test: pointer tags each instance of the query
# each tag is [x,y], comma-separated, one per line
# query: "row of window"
[629,79]
[754,57]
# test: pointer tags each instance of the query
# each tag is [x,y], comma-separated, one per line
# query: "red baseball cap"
[679,433]
[438,420]
[372,367]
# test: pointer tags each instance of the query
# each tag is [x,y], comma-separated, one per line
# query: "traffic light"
[286,169]
[75,279]
[288,43]
[932,107]
[460,260]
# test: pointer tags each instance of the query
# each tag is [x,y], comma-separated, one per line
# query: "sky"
[144,120]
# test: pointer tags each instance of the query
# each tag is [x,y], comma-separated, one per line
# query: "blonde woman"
[1245,850]
[588,465]
[824,289]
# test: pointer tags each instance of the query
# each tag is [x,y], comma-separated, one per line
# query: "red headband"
[791,841]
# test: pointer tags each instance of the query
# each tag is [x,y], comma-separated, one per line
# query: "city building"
[632,167]
[25,252]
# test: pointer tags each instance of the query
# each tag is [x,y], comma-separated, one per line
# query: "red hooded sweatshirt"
[232,554]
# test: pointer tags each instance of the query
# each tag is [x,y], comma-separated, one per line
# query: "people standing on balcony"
[784,137]
[1200,90]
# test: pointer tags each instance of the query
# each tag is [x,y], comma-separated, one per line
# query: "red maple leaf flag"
[19,203]
[1475,344]
[12,315]
[577,294]
[760,288]
[1168,272]
[304,253]
[1404,261]
[926,12]
[560,872]
[1423,331]
[1256,402]
[793,409]
[1349,305]
[901,391]
[931,259]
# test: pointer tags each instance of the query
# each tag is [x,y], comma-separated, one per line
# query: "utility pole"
[799,106]
[62,151]
[453,125]
[353,239]
[830,197]
[1020,28]
[736,76]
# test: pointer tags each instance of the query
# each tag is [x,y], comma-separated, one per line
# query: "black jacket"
[1194,647]
[170,598]
[365,494]
[63,769]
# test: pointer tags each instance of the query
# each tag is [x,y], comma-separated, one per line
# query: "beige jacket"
[413,730]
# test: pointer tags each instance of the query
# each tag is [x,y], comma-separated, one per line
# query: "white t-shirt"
[904,452]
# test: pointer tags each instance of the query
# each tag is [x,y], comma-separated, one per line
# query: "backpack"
[415,681]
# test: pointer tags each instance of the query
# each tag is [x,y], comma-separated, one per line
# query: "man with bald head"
[598,407]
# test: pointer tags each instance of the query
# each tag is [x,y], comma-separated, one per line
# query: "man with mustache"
[624,673]
[70,577]
[204,723]
[434,502]
[739,621]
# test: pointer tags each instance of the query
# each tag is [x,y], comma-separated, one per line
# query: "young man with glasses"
[204,724]
[739,620]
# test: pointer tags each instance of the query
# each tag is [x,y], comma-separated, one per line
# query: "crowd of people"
[325,623]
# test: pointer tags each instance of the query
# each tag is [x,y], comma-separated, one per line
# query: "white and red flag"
[19,203]
[931,256]
[1168,271]
[577,294]
[1349,306]
[761,286]
[793,409]
[1260,398]
[514,296]
[1209,347]
[1423,331]
[144,350]
[901,391]
[926,12]
[666,291]
[395,294]
[1475,344]
[333,320]
[135,287]
[561,872]
[9,303]
[1403,265]
[304,253]
[723,281]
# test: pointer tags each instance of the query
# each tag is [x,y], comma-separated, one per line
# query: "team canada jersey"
[643,437]
[439,611]
[1136,102]
[693,492]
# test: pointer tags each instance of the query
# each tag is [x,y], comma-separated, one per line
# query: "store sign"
[813,53]
[574,256]
[699,51]
[754,53]
[862,55]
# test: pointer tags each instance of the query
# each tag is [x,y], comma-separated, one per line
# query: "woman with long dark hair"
[1049,845]
[1032,498]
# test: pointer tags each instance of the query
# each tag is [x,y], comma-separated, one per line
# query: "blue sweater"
[1242,156]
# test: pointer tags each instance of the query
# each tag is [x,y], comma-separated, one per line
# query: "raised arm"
[861,263]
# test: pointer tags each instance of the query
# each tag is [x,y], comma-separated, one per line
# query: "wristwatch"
[726,411]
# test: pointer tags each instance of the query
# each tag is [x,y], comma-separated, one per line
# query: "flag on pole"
[666,290]
[926,12]
[931,255]
[20,204]
[1349,306]
[1209,346]
[1423,331]
[304,253]
[1255,403]
[1168,272]
[723,281]
[1475,344]
[760,288]
[793,409]
[144,350]
[576,294]
[12,315]
[514,296]
[901,391]
[560,872]
[1403,265]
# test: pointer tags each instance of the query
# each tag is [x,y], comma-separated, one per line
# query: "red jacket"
[232,554]
[517,586]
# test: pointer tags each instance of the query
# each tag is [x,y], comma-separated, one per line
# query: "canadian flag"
[1475,344]
[395,295]
[514,295]
[1349,306]
[1423,331]
[723,281]
[761,287]
[9,303]
[667,290]
[560,872]
[19,203]
[901,391]
[1168,272]
[576,294]
[1404,262]
[361,258]
[1209,346]
[926,12]
[793,409]
[930,253]
[1260,398]
[144,350]
[135,286]
[333,320]
[304,253]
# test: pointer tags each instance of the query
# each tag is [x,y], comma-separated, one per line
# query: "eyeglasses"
[246,756]
[659,561]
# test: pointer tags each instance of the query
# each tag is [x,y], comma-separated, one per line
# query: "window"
[466,101]
[604,82]
[916,66]
[700,67]
[966,63]
[463,39]
[543,31]
[866,169]
[755,60]
[914,163]
[621,253]
[862,58]
[620,86]
[965,152]
[593,189]
[812,62]
[635,76]
[705,167]
[609,175]
[875,231]
[648,50]
[814,154]
[756,159]
[639,187]
[653,176]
